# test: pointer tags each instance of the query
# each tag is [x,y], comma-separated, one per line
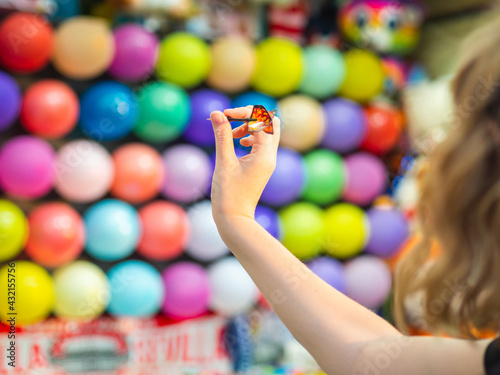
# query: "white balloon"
[205,243]
[84,171]
[233,291]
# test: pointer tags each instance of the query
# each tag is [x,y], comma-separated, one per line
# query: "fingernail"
[217,117]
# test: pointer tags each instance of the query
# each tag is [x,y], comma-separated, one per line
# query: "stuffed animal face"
[386,26]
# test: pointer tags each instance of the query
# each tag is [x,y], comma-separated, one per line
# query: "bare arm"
[343,336]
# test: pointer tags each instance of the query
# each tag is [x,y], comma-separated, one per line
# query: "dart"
[230,119]
[259,120]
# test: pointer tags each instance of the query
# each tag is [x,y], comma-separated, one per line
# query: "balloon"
[324,71]
[384,129]
[279,67]
[345,230]
[303,122]
[136,289]
[199,131]
[345,125]
[81,291]
[13,230]
[84,171]
[164,112]
[27,167]
[50,109]
[138,173]
[364,76]
[287,181]
[26,42]
[388,230]
[84,47]
[187,170]
[303,229]
[10,101]
[269,220]
[365,178]
[34,293]
[395,75]
[329,270]
[57,234]
[184,59]
[233,291]
[233,63]
[109,111]
[165,231]
[113,230]
[205,243]
[136,53]
[188,290]
[325,173]
[368,281]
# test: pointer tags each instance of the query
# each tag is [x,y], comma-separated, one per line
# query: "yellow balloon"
[83,47]
[13,230]
[345,230]
[34,293]
[364,77]
[303,229]
[233,63]
[81,291]
[279,67]
[303,122]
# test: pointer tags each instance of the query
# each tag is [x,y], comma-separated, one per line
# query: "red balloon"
[165,230]
[25,42]
[384,127]
[57,234]
[50,109]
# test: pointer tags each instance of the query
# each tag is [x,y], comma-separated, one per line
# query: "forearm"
[332,327]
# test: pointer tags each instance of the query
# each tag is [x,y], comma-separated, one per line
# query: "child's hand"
[238,183]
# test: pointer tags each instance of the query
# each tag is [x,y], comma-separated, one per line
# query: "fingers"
[268,142]
[240,112]
[247,141]
[224,146]
[240,131]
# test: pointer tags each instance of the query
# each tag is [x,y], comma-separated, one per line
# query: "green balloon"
[165,112]
[325,180]
[324,71]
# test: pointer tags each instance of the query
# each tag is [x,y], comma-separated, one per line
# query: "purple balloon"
[27,166]
[136,52]
[187,173]
[269,220]
[10,100]
[187,290]
[287,181]
[388,231]
[330,270]
[199,130]
[345,125]
[365,178]
[368,281]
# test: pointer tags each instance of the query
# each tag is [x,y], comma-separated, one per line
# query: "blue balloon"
[113,230]
[108,111]
[269,220]
[136,289]
[10,100]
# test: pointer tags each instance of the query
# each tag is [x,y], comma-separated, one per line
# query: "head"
[387,26]
[459,208]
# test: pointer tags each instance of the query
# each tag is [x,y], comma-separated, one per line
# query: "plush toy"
[386,26]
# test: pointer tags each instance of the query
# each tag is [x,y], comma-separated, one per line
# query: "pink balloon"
[365,178]
[27,167]
[84,170]
[187,173]
[187,290]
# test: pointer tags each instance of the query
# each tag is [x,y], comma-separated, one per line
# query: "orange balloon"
[138,173]
[165,230]
[50,109]
[84,47]
[57,234]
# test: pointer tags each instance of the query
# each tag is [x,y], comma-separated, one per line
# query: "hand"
[238,183]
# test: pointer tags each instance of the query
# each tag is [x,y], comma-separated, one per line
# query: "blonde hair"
[459,208]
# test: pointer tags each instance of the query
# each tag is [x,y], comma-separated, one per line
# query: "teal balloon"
[325,179]
[165,112]
[324,71]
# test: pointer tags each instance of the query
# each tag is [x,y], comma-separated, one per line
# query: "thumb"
[223,133]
